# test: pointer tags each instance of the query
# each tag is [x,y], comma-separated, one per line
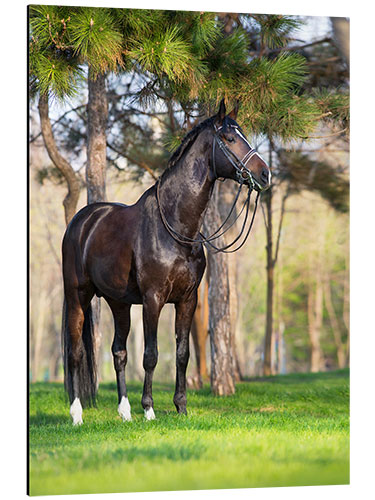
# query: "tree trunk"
[341,32]
[340,348]
[233,306]
[315,314]
[97,114]
[71,199]
[227,193]
[313,333]
[135,363]
[346,310]
[199,333]
[222,376]
[54,355]
[39,333]
[267,363]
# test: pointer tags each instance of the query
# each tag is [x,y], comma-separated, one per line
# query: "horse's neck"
[186,190]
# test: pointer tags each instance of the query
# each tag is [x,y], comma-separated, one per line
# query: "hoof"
[124,409]
[149,414]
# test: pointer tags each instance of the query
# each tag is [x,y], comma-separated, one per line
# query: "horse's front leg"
[121,316]
[151,312]
[184,316]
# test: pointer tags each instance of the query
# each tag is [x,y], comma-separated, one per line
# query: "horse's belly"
[116,282]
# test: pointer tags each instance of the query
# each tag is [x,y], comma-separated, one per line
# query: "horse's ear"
[234,112]
[221,112]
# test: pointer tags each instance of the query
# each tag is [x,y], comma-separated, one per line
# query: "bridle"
[243,174]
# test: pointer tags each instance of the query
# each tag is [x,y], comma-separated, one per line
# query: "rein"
[243,174]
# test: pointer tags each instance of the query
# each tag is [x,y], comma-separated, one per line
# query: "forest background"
[307,322]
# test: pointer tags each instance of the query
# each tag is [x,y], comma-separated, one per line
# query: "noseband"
[243,174]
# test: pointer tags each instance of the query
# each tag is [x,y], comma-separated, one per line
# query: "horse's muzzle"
[265,178]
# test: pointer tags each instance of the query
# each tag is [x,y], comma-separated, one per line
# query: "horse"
[149,253]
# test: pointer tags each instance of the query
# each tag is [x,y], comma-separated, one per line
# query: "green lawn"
[280,431]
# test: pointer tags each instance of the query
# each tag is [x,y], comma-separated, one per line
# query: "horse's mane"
[188,141]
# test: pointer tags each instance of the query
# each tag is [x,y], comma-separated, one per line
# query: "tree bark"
[71,199]
[233,306]
[346,309]
[340,348]
[222,376]
[267,363]
[39,333]
[199,333]
[341,32]
[227,193]
[97,114]
[314,332]
[315,314]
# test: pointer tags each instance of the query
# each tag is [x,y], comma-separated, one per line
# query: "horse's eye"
[230,139]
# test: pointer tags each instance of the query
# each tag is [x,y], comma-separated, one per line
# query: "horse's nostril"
[264,175]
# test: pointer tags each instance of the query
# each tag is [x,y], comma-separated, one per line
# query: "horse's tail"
[87,369]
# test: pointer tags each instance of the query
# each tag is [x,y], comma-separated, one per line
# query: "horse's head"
[233,157]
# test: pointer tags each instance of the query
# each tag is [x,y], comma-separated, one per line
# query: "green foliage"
[172,141]
[55,74]
[137,23]
[166,53]
[227,65]
[270,100]
[185,56]
[96,39]
[162,44]
[334,105]
[275,30]
[282,431]
[204,32]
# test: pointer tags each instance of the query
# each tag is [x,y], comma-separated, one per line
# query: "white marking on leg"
[149,414]
[124,409]
[76,412]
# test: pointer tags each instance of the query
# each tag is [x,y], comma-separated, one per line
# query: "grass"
[288,430]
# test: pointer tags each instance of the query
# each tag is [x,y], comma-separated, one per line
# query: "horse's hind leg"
[184,317]
[121,315]
[151,312]
[76,355]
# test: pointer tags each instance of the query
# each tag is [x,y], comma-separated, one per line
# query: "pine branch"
[32,139]
[132,159]
[339,132]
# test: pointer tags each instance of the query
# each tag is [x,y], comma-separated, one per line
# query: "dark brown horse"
[148,253]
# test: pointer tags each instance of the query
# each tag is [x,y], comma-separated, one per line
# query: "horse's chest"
[172,279]
[185,277]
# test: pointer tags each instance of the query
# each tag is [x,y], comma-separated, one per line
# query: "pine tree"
[187,61]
